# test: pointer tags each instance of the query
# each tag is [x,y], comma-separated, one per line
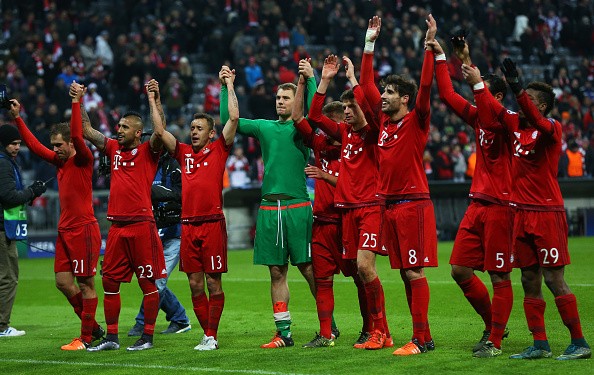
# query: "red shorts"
[133,248]
[484,239]
[361,230]
[540,237]
[77,250]
[410,235]
[203,247]
[326,251]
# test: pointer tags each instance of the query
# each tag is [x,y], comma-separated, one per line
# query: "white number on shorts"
[370,237]
[412,256]
[149,271]
[218,262]
[500,260]
[21,230]
[76,264]
[553,253]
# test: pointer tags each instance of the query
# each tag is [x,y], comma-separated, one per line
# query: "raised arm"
[244,126]
[34,145]
[297,112]
[230,127]
[423,102]
[492,115]
[157,115]
[367,80]
[533,115]
[90,134]
[83,155]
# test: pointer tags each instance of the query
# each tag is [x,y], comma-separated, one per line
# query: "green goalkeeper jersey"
[284,154]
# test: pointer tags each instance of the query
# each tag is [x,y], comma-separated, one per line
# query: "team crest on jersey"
[534,134]
[205,150]
[135,151]
[517,134]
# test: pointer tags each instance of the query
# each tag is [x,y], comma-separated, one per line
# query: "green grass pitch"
[247,322]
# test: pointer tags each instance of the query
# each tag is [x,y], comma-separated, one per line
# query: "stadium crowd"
[47,45]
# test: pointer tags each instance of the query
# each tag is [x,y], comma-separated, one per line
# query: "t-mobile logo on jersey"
[189,163]
[383,139]
[117,162]
[483,138]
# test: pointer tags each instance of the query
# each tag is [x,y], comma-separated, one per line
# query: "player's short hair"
[401,85]
[205,116]
[288,86]
[136,115]
[348,95]
[332,107]
[496,84]
[545,94]
[62,128]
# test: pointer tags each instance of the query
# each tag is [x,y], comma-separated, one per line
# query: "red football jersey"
[536,156]
[327,158]
[358,174]
[75,175]
[492,175]
[401,144]
[132,175]
[202,180]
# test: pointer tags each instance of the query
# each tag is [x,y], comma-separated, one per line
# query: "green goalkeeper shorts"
[283,232]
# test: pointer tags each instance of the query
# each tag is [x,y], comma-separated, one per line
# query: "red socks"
[567,306]
[111,305]
[325,306]
[88,323]
[534,309]
[477,294]
[202,310]
[216,304]
[151,304]
[373,291]
[503,298]
[419,308]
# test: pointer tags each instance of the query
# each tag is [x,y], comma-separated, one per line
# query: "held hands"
[330,68]
[508,67]
[15,108]
[305,68]
[228,77]
[77,91]
[37,188]
[152,89]
[435,46]
[471,74]
[223,73]
[460,46]
[431,28]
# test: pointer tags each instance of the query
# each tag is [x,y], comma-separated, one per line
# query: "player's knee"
[555,281]
[214,285]
[196,286]
[461,274]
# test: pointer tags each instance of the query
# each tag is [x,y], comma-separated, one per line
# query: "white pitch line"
[337,279]
[151,367]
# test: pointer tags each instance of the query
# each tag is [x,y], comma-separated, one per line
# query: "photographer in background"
[166,197]
[13,219]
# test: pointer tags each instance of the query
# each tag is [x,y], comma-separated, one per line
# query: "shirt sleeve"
[304,128]
[367,83]
[423,102]
[535,118]
[454,101]
[83,156]
[34,145]
[492,115]
[327,125]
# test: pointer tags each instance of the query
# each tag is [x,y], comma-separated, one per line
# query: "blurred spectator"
[173,96]
[444,167]
[253,73]
[212,91]
[459,162]
[575,160]
[92,97]
[589,156]
[239,168]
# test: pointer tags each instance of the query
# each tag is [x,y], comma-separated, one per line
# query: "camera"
[4,100]
[167,214]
